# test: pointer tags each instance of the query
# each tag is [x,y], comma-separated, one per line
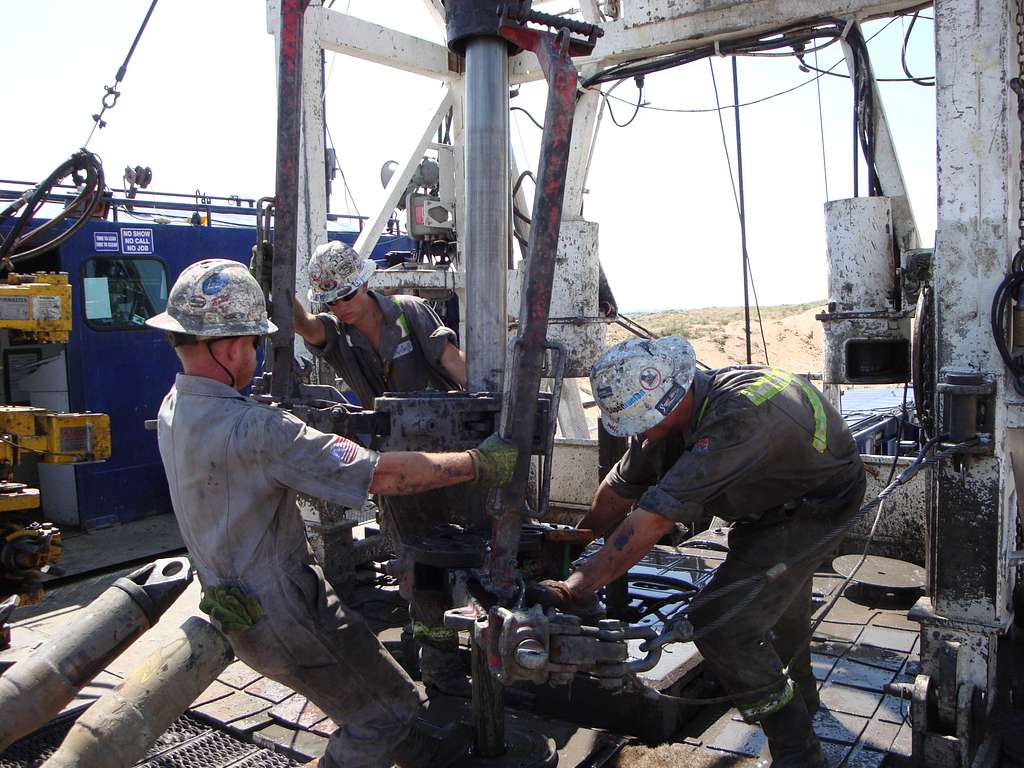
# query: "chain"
[1017,85]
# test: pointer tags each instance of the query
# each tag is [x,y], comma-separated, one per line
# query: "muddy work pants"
[759,654]
[410,517]
[311,642]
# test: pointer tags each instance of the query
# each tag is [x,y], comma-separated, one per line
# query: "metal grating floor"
[188,743]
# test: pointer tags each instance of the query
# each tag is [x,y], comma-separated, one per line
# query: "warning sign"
[137,241]
[105,242]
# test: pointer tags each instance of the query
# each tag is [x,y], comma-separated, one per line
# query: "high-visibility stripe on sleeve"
[820,439]
[773,381]
[767,386]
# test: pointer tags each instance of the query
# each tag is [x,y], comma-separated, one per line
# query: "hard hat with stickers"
[336,270]
[214,298]
[637,383]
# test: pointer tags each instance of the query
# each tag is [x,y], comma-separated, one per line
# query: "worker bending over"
[379,344]
[756,446]
[234,467]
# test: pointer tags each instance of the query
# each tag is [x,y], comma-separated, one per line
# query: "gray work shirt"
[412,340]
[761,438]
[234,466]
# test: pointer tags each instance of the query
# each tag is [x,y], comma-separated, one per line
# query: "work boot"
[429,747]
[442,671]
[791,737]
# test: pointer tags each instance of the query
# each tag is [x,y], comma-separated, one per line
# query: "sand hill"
[793,336]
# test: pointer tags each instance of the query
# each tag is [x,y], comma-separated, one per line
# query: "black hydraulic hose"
[1002,301]
[87,171]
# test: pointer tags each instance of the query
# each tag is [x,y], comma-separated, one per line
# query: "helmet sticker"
[215,283]
[633,400]
[671,399]
[198,302]
[604,391]
[650,378]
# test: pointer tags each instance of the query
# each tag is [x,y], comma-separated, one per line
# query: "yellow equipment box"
[37,307]
[57,438]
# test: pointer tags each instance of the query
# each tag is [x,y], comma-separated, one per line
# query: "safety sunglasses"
[346,297]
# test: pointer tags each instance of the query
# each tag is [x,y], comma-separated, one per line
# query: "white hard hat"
[336,270]
[637,383]
[215,298]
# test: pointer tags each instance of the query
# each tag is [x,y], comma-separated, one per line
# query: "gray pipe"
[486,230]
[36,689]
[116,731]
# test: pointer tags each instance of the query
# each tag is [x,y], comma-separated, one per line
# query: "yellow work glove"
[234,610]
[494,461]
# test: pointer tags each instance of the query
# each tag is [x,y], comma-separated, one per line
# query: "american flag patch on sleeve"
[344,450]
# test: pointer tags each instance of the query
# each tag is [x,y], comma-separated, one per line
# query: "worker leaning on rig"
[379,344]
[759,447]
[376,343]
[234,467]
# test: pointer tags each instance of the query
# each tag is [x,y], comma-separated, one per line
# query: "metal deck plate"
[881,572]
[188,743]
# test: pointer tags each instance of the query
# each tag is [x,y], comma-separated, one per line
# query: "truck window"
[121,294]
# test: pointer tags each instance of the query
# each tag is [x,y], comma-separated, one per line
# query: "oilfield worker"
[376,343]
[234,468]
[761,448]
[379,344]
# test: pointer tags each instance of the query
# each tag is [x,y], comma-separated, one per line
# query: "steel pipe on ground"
[116,731]
[35,690]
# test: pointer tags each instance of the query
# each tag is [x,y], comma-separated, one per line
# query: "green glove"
[494,460]
[234,610]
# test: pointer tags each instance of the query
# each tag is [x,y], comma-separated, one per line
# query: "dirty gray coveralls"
[233,467]
[769,453]
[412,340]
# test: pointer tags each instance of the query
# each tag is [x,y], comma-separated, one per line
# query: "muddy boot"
[791,737]
[442,671]
[429,747]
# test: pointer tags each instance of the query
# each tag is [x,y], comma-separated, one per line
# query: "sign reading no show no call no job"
[132,241]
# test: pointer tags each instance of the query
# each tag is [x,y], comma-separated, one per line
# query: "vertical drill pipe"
[520,407]
[488,694]
[286,230]
[486,230]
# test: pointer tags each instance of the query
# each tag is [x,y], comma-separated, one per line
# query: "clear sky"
[198,106]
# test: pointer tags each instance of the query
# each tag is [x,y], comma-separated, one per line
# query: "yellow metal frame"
[57,438]
[37,306]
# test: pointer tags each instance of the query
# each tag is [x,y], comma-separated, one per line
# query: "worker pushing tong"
[379,344]
[234,467]
[761,448]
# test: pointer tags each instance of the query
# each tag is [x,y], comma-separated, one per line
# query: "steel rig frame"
[972,530]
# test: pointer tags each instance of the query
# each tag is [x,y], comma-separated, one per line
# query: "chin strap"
[209,348]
